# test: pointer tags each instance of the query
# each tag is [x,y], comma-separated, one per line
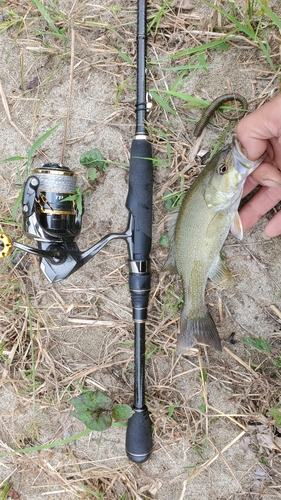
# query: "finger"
[265,175]
[255,129]
[263,201]
[276,151]
[249,185]
[273,228]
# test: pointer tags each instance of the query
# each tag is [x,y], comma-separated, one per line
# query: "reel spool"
[47,215]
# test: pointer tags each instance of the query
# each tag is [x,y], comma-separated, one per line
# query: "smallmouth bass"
[197,232]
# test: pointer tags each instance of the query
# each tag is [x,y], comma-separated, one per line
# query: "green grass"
[47,17]
[154,23]
[255,33]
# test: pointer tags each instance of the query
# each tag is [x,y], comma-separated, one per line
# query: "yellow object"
[6,245]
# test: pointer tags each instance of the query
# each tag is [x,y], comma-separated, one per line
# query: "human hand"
[259,133]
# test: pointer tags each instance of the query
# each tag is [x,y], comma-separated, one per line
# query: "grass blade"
[184,97]
[61,442]
[47,18]
[194,50]
[42,139]
[162,102]
[17,204]
[241,27]
[272,16]
[13,158]
[249,31]
[125,57]
[37,145]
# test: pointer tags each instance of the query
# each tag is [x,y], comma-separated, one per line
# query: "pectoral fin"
[236,227]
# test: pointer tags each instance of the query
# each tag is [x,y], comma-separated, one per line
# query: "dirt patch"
[215,435]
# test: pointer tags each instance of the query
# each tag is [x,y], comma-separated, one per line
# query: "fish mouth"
[241,163]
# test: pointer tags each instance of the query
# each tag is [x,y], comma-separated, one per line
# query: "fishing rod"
[51,218]
[139,203]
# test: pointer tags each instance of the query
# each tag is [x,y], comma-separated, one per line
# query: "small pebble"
[4,17]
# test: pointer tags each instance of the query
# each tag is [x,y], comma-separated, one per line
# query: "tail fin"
[201,330]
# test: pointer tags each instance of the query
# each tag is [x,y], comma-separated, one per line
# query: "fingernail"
[265,236]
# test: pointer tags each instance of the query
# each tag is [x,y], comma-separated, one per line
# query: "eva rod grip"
[139,436]
[139,199]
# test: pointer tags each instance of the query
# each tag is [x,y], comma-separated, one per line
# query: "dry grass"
[208,410]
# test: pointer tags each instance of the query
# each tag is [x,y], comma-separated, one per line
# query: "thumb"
[258,127]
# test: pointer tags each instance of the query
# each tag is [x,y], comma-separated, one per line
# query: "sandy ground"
[220,442]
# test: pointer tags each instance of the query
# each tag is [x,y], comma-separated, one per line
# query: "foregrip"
[139,200]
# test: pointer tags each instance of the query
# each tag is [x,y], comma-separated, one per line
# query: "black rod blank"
[141,69]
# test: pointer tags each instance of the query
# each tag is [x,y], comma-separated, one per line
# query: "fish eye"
[222,169]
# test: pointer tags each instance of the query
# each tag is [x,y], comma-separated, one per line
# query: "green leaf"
[78,198]
[276,414]
[172,409]
[94,158]
[94,420]
[150,350]
[121,412]
[78,404]
[277,362]
[222,46]
[96,400]
[259,344]
[164,240]
[92,174]
[202,60]
[92,409]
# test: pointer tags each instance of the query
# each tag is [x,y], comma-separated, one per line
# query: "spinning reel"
[52,219]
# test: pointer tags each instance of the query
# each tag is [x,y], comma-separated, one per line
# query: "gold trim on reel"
[6,245]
